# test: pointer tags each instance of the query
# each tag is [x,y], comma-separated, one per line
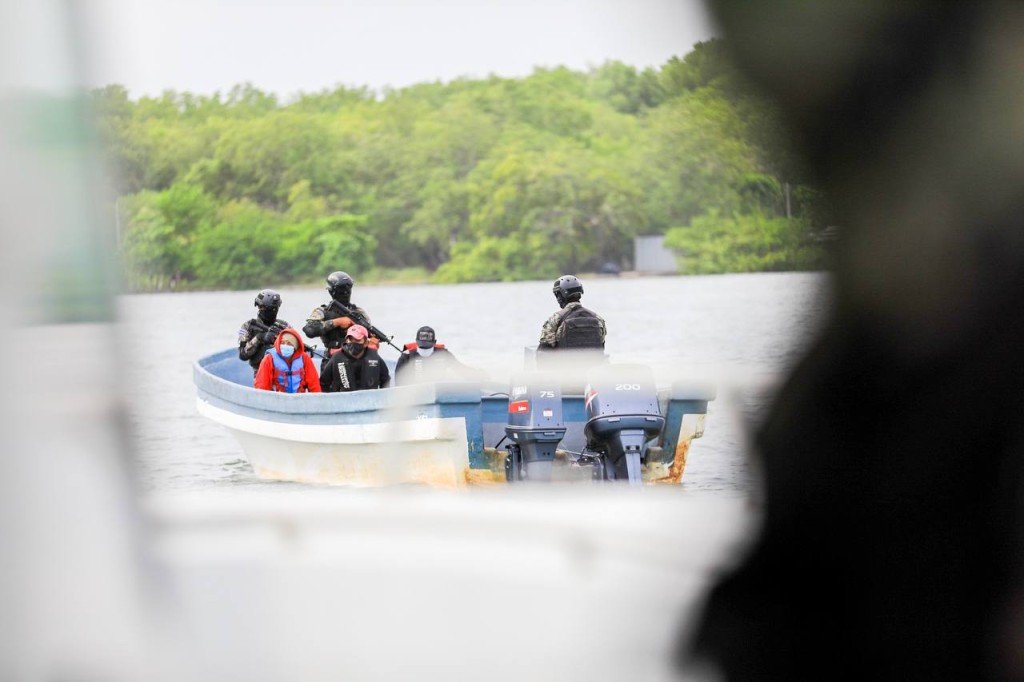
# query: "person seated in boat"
[258,334]
[330,321]
[573,327]
[356,366]
[287,367]
[425,360]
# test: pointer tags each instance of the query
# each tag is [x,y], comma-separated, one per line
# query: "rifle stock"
[313,352]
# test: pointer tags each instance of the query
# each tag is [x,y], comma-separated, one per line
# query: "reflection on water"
[739,331]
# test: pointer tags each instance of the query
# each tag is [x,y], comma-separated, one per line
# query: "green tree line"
[473,180]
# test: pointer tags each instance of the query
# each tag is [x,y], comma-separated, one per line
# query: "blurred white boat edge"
[552,582]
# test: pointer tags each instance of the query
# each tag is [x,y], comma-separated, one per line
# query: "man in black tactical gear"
[329,323]
[572,327]
[258,334]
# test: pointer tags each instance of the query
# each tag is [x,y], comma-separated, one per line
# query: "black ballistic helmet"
[268,298]
[339,286]
[567,289]
[268,302]
[425,337]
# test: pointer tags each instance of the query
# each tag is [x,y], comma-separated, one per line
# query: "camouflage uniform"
[251,346]
[549,332]
[331,336]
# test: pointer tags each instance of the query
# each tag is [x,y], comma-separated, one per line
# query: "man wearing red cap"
[356,366]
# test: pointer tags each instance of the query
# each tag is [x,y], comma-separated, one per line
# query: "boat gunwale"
[210,383]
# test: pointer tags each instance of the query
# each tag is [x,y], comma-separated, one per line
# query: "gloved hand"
[373,343]
[342,322]
[269,336]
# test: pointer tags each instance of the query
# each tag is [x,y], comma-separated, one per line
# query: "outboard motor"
[534,426]
[622,418]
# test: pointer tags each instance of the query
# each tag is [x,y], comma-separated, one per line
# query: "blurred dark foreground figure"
[893,456]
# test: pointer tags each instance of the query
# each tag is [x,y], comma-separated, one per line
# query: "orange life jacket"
[412,346]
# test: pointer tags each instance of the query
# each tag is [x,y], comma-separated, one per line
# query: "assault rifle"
[261,328]
[314,353]
[361,320]
[277,327]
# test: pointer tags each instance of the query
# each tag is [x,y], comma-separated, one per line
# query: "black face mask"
[354,349]
[342,295]
[267,315]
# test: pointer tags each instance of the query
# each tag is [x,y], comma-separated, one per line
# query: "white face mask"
[425,352]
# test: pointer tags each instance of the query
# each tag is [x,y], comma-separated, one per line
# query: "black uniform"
[253,340]
[413,367]
[344,373]
[332,337]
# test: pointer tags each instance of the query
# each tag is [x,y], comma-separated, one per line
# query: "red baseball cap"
[357,332]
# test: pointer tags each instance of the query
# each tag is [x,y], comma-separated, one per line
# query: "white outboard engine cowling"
[535,426]
[622,418]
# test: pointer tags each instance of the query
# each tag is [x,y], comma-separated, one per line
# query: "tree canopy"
[471,180]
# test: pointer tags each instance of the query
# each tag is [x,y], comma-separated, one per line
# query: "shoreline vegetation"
[474,180]
[385,277]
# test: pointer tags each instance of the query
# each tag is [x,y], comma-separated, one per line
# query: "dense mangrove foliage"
[470,180]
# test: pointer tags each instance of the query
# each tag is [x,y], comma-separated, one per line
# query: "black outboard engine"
[622,418]
[534,426]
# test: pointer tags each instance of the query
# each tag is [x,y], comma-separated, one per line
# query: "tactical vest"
[246,333]
[334,337]
[580,328]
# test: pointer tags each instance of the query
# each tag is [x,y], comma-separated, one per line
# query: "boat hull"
[432,451]
[438,434]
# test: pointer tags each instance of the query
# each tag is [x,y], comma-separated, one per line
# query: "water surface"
[740,331]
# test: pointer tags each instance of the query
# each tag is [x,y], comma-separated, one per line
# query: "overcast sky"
[208,45]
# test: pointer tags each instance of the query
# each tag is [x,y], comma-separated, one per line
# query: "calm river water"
[740,331]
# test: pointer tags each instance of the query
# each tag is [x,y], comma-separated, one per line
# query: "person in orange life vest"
[288,367]
[356,366]
[425,360]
